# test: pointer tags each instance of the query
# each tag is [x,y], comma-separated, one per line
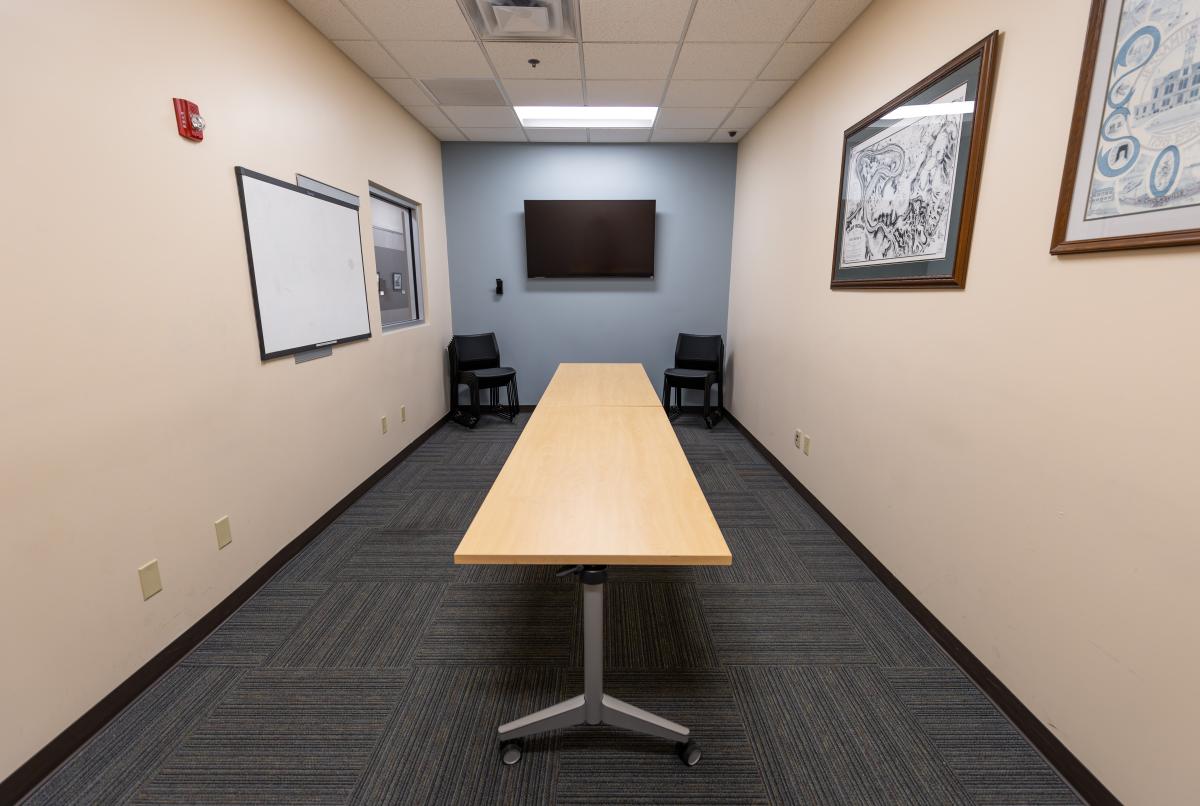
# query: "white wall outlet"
[799,438]
[150,578]
[383,424]
[807,444]
[224,534]
[403,415]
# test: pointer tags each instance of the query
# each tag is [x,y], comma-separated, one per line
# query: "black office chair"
[699,363]
[475,362]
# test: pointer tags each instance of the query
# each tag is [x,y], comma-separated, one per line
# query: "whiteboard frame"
[262,350]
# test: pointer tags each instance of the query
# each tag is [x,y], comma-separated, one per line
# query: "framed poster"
[1132,173]
[910,180]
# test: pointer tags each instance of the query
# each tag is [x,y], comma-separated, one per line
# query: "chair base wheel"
[510,753]
[689,752]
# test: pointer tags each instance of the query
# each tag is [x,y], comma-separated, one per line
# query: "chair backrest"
[700,352]
[478,351]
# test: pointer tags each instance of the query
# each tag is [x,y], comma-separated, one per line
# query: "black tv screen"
[589,238]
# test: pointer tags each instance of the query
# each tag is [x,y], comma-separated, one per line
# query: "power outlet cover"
[224,533]
[150,578]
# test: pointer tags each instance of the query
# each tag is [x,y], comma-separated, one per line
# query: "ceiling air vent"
[523,20]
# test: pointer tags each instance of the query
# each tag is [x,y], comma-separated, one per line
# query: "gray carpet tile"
[321,558]
[440,746]
[653,627]
[790,511]
[436,510]
[601,766]
[991,759]
[739,511]
[759,556]
[383,555]
[837,735]
[114,762]
[372,670]
[826,557]
[502,625]
[781,624]
[259,626]
[360,625]
[281,736]
[889,630]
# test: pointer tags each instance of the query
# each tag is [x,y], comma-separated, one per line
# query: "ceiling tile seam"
[758,76]
[487,57]
[662,99]
[373,38]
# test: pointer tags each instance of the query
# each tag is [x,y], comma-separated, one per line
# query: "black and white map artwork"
[900,186]
[1148,151]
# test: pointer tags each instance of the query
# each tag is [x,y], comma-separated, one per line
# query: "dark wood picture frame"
[1059,244]
[986,51]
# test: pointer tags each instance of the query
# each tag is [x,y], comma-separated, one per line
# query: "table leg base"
[572,712]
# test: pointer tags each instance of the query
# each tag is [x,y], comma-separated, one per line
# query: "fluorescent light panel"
[582,117]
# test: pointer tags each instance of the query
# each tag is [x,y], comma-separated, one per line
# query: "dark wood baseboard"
[29,774]
[1071,768]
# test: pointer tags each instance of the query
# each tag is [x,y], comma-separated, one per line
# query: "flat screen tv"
[589,238]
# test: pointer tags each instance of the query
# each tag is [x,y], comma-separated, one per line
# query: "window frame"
[379,193]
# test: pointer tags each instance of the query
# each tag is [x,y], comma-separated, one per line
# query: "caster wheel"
[689,753]
[510,753]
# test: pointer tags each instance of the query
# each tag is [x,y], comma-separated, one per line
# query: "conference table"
[596,479]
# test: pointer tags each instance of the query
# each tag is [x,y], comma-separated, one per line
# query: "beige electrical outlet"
[151,580]
[798,439]
[383,424]
[403,415]
[224,534]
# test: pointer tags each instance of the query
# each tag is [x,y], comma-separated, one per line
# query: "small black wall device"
[499,286]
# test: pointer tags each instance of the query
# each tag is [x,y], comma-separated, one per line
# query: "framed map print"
[910,180]
[1132,174]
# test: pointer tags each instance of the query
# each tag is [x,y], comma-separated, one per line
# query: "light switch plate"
[151,580]
[383,424]
[807,444]
[224,533]
[403,415]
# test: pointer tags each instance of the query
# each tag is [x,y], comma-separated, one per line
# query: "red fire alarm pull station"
[188,119]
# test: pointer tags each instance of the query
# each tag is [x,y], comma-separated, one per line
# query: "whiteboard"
[306,266]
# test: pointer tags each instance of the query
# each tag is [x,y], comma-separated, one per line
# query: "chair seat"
[690,378]
[492,373]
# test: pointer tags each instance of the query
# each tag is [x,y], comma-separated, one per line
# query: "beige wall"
[1021,454]
[135,409]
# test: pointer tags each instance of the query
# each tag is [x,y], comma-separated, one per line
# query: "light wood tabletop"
[597,485]
[599,385]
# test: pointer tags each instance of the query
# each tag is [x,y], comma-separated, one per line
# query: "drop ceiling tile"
[721,60]
[681,117]
[430,116]
[633,20]
[619,135]
[681,135]
[331,18]
[628,60]
[440,59]
[412,19]
[765,93]
[465,91]
[556,135]
[793,59]
[826,20]
[625,93]
[447,135]
[527,92]
[744,20]
[482,116]
[722,135]
[405,90]
[687,92]
[373,59]
[495,135]
[558,59]
[743,117]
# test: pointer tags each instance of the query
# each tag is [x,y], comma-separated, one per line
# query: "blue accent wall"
[541,322]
